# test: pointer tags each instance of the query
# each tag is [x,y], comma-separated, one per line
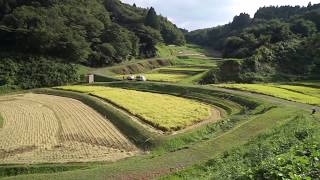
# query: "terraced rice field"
[50,129]
[161,77]
[315,84]
[172,74]
[289,92]
[164,112]
[301,89]
[183,69]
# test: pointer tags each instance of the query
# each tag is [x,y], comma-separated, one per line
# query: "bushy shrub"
[32,72]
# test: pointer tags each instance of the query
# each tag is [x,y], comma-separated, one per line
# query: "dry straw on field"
[43,128]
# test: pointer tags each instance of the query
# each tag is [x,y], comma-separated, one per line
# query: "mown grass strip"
[14,170]
[1,121]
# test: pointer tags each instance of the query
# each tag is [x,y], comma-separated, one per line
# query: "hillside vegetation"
[176,64]
[278,43]
[51,36]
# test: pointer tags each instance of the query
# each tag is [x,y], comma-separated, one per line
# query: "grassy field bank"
[1,121]
[288,151]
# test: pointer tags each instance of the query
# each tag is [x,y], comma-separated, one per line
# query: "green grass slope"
[290,150]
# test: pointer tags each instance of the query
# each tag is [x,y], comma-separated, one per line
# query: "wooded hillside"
[278,43]
[96,33]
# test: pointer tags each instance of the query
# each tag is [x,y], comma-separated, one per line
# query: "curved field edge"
[153,165]
[133,131]
[164,112]
[231,103]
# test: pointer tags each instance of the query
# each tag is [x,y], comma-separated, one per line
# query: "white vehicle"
[131,77]
[141,78]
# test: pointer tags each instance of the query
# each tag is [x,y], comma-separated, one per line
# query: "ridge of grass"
[1,121]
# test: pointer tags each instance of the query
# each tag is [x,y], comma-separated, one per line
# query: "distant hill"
[278,43]
[44,33]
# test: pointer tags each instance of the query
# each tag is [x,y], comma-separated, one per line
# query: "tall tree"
[241,21]
[152,19]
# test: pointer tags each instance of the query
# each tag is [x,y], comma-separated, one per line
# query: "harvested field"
[50,129]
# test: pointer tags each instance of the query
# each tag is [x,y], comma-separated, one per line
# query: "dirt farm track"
[50,129]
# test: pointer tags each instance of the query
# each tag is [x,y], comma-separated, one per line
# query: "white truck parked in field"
[131,77]
[141,78]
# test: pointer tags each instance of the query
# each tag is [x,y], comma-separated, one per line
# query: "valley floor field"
[184,65]
[50,129]
[179,129]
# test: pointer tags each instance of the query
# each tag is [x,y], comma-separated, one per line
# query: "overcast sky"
[196,14]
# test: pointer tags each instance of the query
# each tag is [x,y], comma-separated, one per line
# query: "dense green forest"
[278,43]
[42,39]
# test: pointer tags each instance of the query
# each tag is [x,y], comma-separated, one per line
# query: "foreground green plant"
[288,151]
